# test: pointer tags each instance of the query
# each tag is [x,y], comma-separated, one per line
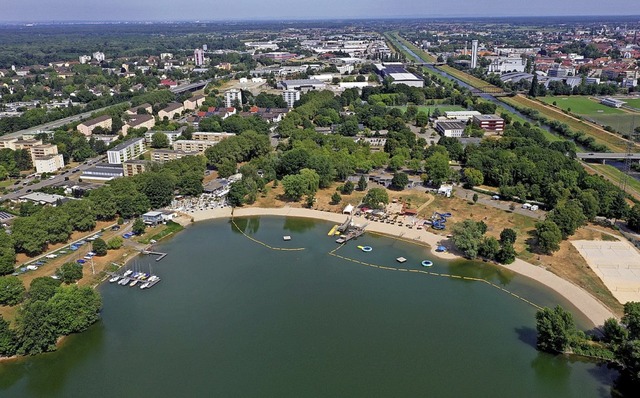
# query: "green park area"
[617,177]
[613,141]
[429,109]
[589,108]
[634,102]
[581,105]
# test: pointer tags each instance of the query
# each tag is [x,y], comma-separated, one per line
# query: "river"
[234,318]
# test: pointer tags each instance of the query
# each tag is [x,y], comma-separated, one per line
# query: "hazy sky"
[144,10]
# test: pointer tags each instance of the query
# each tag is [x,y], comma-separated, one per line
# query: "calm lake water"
[232,318]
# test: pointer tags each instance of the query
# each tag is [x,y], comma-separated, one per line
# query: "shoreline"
[583,301]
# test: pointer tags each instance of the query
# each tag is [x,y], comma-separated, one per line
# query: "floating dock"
[160,255]
[401,260]
[286,238]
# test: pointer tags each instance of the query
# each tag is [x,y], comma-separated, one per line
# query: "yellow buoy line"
[262,243]
[419,271]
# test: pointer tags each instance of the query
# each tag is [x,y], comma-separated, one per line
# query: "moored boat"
[114,278]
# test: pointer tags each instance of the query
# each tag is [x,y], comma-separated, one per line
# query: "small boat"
[427,263]
[114,279]
[133,283]
[124,281]
[128,272]
[144,285]
[333,230]
[401,259]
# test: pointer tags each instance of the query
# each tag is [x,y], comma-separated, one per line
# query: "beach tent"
[348,209]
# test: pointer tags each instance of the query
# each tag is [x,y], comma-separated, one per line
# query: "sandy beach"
[588,305]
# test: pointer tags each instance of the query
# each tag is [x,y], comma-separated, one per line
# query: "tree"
[508,235]
[29,235]
[81,214]
[399,180]
[362,184]
[568,216]
[489,248]
[472,177]
[7,253]
[7,339]
[158,187]
[159,140]
[347,188]
[475,198]
[11,290]
[555,329]
[36,332]
[336,198]
[43,288]
[227,168]
[304,183]
[613,332]
[507,254]
[437,168]
[549,236]
[376,198]
[629,356]
[533,91]
[99,247]
[631,319]
[104,203]
[422,119]
[138,226]
[70,272]
[74,308]
[236,194]
[57,223]
[633,219]
[467,236]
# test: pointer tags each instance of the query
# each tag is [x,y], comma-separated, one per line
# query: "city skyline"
[191,10]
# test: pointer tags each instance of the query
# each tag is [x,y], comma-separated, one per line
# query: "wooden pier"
[352,233]
[160,255]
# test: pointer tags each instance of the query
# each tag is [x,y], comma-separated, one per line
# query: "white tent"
[348,209]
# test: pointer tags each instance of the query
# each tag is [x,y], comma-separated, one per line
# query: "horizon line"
[306,19]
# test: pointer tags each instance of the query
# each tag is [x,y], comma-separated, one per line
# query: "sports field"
[429,109]
[581,105]
[613,141]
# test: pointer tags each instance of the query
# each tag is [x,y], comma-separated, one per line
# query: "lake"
[232,318]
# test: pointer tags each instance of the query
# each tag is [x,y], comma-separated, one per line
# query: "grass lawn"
[614,142]
[429,109]
[425,55]
[581,105]
[624,123]
[634,103]
[167,230]
[616,176]
[467,78]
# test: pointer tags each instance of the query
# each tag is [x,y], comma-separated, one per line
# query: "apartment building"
[193,145]
[133,167]
[166,155]
[86,128]
[127,150]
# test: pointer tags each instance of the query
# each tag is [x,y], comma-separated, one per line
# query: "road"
[25,189]
[55,124]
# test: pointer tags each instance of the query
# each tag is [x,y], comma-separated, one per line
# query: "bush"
[114,243]
[11,290]
[99,247]
[70,272]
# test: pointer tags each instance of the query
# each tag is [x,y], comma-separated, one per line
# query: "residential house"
[171,111]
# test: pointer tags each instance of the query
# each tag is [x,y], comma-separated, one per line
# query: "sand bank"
[588,305]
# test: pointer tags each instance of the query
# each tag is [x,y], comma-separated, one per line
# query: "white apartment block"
[230,96]
[290,97]
[127,150]
[98,56]
[49,164]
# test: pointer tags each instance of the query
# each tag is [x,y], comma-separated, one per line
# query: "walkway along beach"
[589,306]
